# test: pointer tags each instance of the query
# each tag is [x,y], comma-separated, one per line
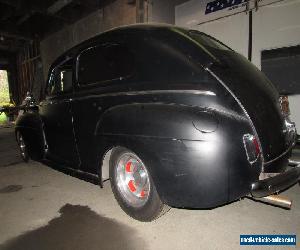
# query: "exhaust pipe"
[276,200]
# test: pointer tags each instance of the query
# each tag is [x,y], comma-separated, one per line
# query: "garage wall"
[162,11]
[229,25]
[235,37]
[115,14]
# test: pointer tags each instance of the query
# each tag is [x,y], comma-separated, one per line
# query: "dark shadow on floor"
[11,189]
[78,227]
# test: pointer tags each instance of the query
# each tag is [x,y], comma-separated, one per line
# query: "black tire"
[22,147]
[153,207]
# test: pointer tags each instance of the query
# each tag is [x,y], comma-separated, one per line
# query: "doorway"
[4,94]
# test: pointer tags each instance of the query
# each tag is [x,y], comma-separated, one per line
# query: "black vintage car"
[172,117]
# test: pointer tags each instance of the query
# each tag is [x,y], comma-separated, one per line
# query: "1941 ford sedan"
[171,116]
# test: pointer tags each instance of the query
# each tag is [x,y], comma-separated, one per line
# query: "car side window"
[104,63]
[60,80]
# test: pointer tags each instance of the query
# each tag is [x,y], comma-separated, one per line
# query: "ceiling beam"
[24,18]
[57,6]
[15,35]
[11,3]
[9,48]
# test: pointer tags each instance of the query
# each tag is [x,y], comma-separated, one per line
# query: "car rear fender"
[185,144]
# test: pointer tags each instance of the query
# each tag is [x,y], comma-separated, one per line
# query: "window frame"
[52,76]
[100,82]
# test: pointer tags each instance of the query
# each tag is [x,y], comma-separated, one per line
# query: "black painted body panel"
[174,112]
[259,98]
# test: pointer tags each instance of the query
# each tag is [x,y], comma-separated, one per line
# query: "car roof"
[118,30]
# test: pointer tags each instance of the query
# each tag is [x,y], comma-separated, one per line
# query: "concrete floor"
[41,208]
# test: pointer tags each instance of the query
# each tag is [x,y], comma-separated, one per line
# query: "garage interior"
[42,208]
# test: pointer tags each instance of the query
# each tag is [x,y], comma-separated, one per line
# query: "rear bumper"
[277,183]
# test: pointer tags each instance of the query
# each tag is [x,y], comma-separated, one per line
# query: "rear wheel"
[22,147]
[133,187]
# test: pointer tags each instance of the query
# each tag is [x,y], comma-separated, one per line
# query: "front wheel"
[133,187]
[22,147]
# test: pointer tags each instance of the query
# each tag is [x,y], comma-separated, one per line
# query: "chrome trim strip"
[282,154]
[194,92]
[244,110]
[151,92]
[290,130]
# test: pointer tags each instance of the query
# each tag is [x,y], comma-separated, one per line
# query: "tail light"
[289,128]
[251,147]
[284,105]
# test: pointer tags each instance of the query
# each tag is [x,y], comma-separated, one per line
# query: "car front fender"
[30,126]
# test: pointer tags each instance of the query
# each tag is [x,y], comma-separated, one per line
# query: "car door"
[56,112]
[100,71]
